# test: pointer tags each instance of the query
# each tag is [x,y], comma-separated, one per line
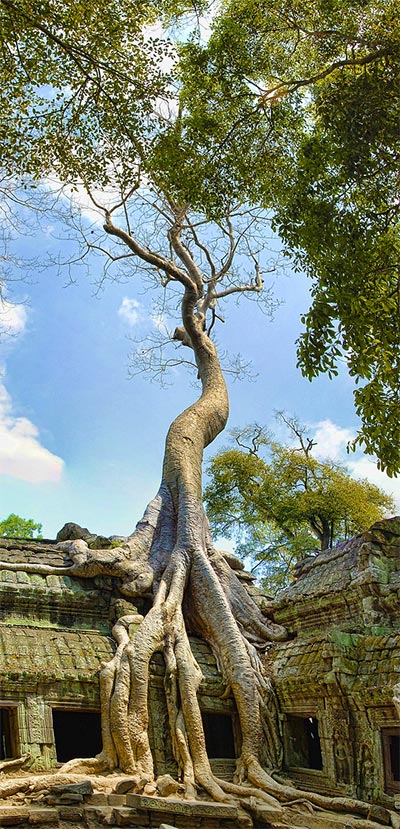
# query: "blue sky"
[80,441]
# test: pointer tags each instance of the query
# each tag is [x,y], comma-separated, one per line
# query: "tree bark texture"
[171,557]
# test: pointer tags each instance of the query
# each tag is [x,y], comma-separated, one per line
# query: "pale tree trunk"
[193,588]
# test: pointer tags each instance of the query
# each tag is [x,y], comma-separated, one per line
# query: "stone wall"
[334,678]
[342,664]
[55,633]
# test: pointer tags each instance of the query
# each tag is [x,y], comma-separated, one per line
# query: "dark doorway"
[218,732]
[76,734]
[391,758]
[6,734]
[302,743]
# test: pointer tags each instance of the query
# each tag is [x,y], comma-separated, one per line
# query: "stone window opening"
[302,742]
[391,758]
[219,733]
[77,733]
[8,741]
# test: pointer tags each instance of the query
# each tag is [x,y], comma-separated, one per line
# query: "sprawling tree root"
[170,556]
[15,764]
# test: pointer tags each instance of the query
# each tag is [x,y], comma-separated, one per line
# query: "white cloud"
[129,311]
[79,198]
[160,322]
[13,317]
[331,440]
[21,453]
[364,468]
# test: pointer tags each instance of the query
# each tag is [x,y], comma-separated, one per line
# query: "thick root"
[87,766]
[7,766]
[242,791]
[289,796]
[42,783]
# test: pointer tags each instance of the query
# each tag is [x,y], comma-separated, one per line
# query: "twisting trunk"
[171,556]
[194,589]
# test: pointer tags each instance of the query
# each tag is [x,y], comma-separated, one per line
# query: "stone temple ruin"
[337,681]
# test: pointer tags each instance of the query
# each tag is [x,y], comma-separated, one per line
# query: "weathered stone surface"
[43,816]
[98,814]
[98,799]
[67,655]
[267,813]
[155,818]
[245,576]
[98,542]
[167,785]
[84,788]
[71,532]
[129,817]
[128,784]
[234,562]
[190,808]
[70,797]
[244,821]
[308,820]
[71,814]
[116,800]
[150,788]
[13,815]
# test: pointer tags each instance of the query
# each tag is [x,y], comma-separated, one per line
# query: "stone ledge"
[71,814]
[116,799]
[129,817]
[13,815]
[43,816]
[187,808]
[142,813]
[22,815]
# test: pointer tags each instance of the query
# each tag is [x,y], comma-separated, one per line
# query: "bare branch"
[174,236]
[255,287]
[155,259]
[121,203]
[202,247]
[306,445]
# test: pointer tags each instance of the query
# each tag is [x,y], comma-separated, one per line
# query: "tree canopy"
[292,107]
[279,503]
[79,84]
[16,527]
[308,94]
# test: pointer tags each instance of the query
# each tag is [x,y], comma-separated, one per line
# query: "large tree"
[170,557]
[96,105]
[280,503]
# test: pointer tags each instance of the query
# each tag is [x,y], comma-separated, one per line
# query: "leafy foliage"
[290,106]
[78,87]
[16,527]
[299,104]
[280,503]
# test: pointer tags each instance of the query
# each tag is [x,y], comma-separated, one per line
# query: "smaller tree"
[16,527]
[279,503]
